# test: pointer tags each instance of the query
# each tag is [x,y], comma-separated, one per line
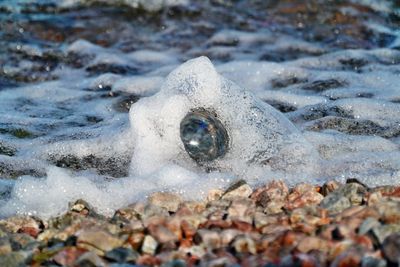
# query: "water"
[70,70]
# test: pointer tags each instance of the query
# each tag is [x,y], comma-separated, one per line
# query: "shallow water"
[70,70]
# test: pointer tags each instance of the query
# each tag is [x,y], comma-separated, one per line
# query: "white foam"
[138,85]
[257,131]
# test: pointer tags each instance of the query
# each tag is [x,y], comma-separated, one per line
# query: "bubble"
[204,136]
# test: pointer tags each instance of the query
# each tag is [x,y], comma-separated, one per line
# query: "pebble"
[391,248]
[149,245]
[244,244]
[168,201]
[296,227]
[100,240]
[312,243]
[90,259]
[301,195]
[210,239]
[122,255]
[239,189]
[13,259]
[335,203]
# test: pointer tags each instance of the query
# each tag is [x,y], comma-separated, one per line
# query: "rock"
[348,258]
[97,239]
[214,194]
[126,214]
[335,202]
[174,263]
[13,259]
[383,231]
[238,189]
[244,244]
[90,259]
[208,238]
[23,242]
[312,243]
[345,196]
[329,187]
[136,240]
[391,248]
[5,246]
[122,255]
[149,245]
[303,194]
[68,255]
[228,235]
[162,234]
[372,262]
[260,219]
[23,224]
[276,191]
[82,207]
[151,210]
[241,209]
[389,211]
[168,201]
[367,225]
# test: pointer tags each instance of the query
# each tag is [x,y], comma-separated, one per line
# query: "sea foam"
[264,144]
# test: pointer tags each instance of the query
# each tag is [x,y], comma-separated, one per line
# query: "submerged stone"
[204,136]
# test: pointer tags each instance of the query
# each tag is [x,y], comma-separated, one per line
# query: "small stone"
[22,224]
[174,263]
[99,240]
[239,189]
[5,246]
[149,245]
[244,244]
[13,259]
[391,248]
[165,200]
[276,191]
[345,196]
[389,211]
[312,243]
[23,242]
[136,240]
[261,219]
[122,255]
[151,210]
[383,231]
[348,258]
[372,262]
[126,214]
[241,209]
[214,194]
[367,225]
[90,259]
[67,256]
[335,203]
[228,235]
[329,187]
[208,238]
[303,194]
[162,234]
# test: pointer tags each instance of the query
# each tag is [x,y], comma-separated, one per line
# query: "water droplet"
[204,136]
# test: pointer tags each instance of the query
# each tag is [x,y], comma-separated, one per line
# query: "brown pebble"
[312,243]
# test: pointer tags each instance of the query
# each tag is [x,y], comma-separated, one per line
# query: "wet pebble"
[169,201]
[239,189]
